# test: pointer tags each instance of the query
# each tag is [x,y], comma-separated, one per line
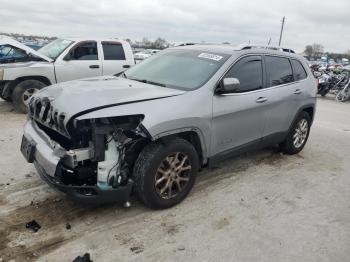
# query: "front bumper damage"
[87,194]
[48,156]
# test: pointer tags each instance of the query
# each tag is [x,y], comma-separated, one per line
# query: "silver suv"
[150,129]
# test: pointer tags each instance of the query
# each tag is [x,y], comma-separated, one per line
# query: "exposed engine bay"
[100,152]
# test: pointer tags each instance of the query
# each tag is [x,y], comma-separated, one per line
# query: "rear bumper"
[46,161]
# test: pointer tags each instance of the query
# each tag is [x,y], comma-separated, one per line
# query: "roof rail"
[278,48]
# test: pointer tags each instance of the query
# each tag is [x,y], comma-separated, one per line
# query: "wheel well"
[310,111]
[12,84]
[43,79]
[193,138]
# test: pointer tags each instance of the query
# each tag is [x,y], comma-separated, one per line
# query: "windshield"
[180,69]
[55,48]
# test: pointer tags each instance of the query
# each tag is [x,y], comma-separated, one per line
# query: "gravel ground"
[262,206]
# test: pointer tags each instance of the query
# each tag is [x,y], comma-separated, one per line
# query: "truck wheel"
[23,92]
[298,135]
[2,87]
[164,173]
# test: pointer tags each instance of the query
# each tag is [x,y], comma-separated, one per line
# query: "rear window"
[113,51]
[299,71]
[279,70]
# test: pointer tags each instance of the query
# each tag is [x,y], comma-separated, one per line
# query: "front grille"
[42,111]
[62,140]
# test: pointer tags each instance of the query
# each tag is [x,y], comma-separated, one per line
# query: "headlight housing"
[1,74]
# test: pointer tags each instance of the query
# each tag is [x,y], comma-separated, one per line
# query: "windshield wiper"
[148,82]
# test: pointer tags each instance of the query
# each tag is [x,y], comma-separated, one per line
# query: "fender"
[182,130]
[299,111]
[10,85]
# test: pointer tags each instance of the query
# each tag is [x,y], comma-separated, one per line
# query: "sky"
[237,22]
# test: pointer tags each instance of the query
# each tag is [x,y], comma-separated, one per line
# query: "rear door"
[281,93]
[300,76]
[239,118]
[83,60]
[114,58]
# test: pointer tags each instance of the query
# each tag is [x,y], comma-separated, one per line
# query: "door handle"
[297,91]
[94,66]
[126,66]
[261,100]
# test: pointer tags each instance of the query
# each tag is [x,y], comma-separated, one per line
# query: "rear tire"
[297,135]
[22,93]
[155,171]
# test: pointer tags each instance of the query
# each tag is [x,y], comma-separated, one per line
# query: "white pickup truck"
[23,71]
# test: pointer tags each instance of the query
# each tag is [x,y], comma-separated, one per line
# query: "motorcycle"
[344,94]
[324,84]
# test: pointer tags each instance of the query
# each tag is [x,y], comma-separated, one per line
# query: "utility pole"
[283,20]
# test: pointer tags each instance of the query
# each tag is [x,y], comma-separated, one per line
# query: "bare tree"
[145,42]
[318,50]
[309,51]
[160,43]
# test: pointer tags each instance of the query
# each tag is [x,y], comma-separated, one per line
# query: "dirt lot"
[259,207]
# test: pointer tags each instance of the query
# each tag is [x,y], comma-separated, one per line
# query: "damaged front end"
[94,162]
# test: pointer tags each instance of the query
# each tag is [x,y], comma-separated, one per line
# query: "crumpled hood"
[86,95]
[4,40]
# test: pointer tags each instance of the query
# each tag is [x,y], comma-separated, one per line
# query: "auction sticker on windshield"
[210,56]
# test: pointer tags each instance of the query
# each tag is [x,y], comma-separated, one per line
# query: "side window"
[249,73]
[279,70]
[84,51]
[113,51]
[299,71]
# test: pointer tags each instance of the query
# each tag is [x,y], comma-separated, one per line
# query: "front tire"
[2,87]
[22,93]
[297,135]
[164,173]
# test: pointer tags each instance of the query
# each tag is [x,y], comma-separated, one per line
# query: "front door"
[239,118]
[82,61]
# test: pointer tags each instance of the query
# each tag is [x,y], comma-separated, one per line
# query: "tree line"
[316,51]
[159,43]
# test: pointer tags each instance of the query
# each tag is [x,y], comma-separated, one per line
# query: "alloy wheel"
[300,133]
[28,94]
[172,175]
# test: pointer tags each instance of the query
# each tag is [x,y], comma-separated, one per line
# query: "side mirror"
[229,85]
[67,57]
